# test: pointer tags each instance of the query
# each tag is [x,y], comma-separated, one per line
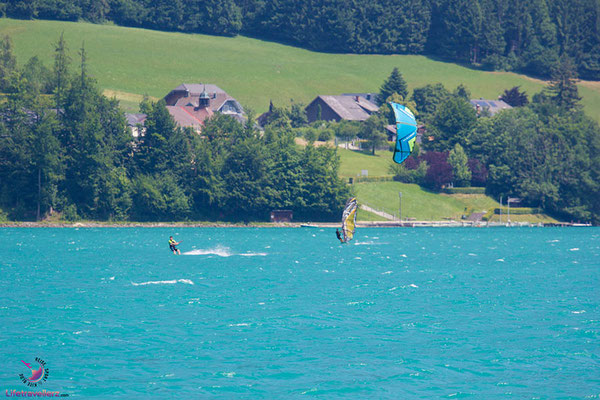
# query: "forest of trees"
[64,147]
[521,35]
[546,152]
[71,152]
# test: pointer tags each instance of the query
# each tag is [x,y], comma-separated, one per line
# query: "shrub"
[373,179]
[518,210]
[325,135]
[69,213]
[465,190]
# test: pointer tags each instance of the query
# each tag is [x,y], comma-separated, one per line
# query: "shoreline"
[307,225]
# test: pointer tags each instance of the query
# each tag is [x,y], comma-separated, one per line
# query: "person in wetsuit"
[172,244]
[339,235]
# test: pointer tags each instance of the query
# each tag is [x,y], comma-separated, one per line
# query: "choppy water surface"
[289,313]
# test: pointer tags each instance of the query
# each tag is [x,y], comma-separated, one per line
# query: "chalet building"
[337,108]
[489,106]
[191,104]
[135,122]
[372,97]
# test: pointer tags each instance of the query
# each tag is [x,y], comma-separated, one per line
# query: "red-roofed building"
[192,104]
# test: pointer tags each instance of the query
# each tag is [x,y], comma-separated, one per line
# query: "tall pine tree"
[395,83]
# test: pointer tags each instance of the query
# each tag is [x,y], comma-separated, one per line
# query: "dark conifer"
[395,83]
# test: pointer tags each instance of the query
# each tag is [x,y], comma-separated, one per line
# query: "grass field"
[418,203]
[364,215]
[353,162]
[129,63]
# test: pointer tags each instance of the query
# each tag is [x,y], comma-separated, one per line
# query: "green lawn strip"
[353,162]
[363,215]
[418,203]
[531,218]
[135,61]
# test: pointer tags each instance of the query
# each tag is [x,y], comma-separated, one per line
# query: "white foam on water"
[241,324]
[367,243]
[186,281]
[553,241]
[392,289]
[220,251]
[250,254]
[472,254]
[412,285]
[112,278]
[500,259]
[574,249]
[387,272]
[365,302]
[578,312]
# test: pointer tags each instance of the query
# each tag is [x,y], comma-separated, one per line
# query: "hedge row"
[464,190]
[518,210]
[359,179]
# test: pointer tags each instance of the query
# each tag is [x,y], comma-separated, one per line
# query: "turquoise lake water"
[283,313]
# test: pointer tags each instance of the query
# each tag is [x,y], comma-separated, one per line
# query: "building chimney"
[204,99]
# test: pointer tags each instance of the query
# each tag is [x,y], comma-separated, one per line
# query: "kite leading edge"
[406,132]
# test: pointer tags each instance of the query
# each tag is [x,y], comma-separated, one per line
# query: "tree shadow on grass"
[365,152]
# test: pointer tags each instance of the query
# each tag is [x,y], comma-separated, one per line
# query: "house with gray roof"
[198,95]
[135,122]
[372,97]
[337,108]
[490,106]
[190,104]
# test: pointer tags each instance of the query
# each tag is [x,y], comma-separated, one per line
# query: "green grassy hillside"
[131,62]
[417,202]
[353,162]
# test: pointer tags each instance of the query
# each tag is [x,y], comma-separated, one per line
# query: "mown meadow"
[129,63]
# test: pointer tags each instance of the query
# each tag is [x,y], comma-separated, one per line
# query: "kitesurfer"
[172,244]
[339,235]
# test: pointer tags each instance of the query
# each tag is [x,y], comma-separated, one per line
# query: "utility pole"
[500,209]
[512,200]
[400,206]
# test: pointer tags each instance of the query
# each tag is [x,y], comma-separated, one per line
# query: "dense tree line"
[65,147]
[520,35]
[546,151]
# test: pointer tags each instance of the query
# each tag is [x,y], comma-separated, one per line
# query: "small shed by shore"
[282,215]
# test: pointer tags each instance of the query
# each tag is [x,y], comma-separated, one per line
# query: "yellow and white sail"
[349,219]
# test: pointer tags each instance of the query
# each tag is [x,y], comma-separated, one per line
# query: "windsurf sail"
[349,219]
[406,132]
